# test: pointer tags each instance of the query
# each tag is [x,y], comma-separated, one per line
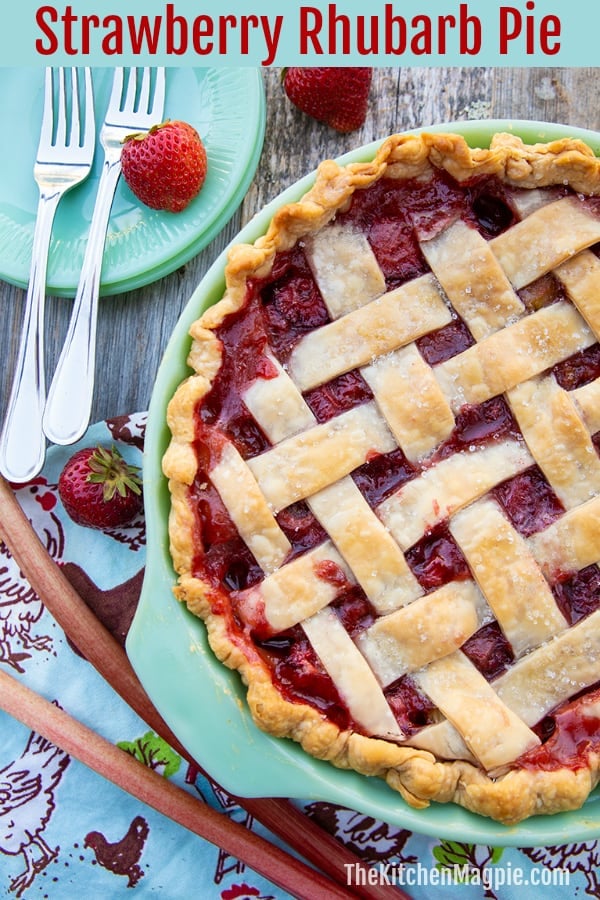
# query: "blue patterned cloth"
[66,833]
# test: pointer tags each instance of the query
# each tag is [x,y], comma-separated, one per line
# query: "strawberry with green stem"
[99,489]
[165,167]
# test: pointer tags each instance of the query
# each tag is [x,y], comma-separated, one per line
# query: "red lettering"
[514,25]
[470,32]
[68,18]
[367,41]
[530,41]
[224,23]
[395,32]
[550,28]
[247,22]
[311,23]
[344,22]
[146,35]
[202,29]
[112,43]
[420,43]
[44,17]
[174,23]
[444,21]
[88,22]
[510,26]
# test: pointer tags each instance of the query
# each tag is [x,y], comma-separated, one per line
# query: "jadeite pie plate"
[227,108]
[203,702]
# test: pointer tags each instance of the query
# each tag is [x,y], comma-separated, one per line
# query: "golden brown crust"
[416,774]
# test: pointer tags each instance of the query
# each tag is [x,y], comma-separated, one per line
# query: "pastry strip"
[349,671]
[389,322]
[248,510]
[558,439]
[526,202]
[446,487]
[571,543]
[308,462]
[508,575]
[296,591]
[489,728]
[473,280]
[443,740]
[547,237]
[581,277]
[408,395]
[345,269]
[427,629]
[508,357]
[548,676]
[376,561]
[587,398]
[277,405]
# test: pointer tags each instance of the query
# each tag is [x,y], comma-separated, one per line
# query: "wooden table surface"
[133,328]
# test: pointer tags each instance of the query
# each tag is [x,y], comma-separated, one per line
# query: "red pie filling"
[278,311]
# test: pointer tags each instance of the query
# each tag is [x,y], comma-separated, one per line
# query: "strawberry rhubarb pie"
[385,473]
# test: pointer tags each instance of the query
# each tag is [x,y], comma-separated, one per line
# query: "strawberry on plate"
[99,489]
[166,166]
[338,97]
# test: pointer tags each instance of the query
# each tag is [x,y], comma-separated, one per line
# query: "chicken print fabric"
[66,833]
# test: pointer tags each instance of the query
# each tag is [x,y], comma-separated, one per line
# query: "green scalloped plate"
[227,108]
[203,702]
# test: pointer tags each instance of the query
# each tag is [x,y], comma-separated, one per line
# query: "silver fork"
[64,158]
[135,105]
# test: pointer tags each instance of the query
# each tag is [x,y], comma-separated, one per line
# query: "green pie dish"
[202,700]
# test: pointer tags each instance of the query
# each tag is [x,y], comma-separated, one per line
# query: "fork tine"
[129,102]
[75,134]
[117,89]
[61,122]
[90,122]
[145,91]
[48,115]
[158,99]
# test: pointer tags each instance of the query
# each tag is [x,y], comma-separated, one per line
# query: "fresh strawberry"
[337,96]
[166,166]
[99,489]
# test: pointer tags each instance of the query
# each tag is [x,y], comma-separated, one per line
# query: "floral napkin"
[67,833]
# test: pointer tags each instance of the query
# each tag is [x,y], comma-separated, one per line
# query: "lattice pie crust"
[479,746]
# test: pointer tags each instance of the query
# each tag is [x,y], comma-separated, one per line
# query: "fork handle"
[22,442]
[69,402]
